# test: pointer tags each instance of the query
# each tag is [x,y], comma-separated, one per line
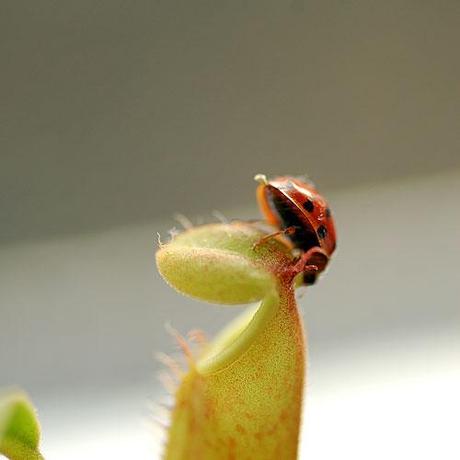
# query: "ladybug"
[299,212]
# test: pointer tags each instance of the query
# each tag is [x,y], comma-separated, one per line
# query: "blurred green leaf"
[19,427]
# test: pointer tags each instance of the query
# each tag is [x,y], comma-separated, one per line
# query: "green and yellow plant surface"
[241,397]
[19,428]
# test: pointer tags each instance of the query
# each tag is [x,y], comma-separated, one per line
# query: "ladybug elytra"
[300,213]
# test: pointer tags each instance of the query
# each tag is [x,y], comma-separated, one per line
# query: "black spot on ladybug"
[328,212]
[289,215]
[309,206]
[322,231]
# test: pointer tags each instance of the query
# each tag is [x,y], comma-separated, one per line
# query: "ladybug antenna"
[261,178]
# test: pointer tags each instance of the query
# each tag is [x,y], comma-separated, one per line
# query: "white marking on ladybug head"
[261,178]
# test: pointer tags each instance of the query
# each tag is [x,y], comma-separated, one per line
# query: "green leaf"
[19,428]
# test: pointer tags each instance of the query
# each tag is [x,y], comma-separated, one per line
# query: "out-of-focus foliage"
[19,428]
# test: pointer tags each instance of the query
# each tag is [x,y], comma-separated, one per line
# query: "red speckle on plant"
[240,429]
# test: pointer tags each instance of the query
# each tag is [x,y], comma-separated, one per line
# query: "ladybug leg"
[311,263]
[286,231]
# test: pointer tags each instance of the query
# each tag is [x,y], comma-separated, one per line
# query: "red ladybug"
[303,215]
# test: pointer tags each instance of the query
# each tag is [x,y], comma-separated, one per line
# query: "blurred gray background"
[117,115]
